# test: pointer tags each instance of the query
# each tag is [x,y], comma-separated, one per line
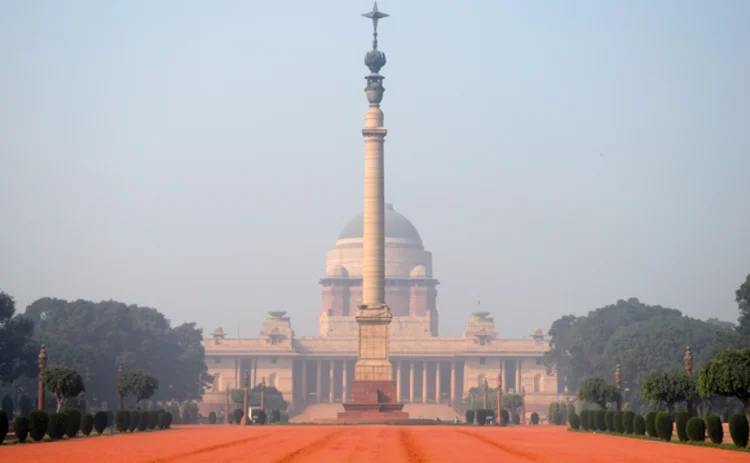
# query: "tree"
[669,388]
[94,337]
[137,383]
[511,402]
[63,382]
[742,298]
[596,391]
[728,374]
[17,351]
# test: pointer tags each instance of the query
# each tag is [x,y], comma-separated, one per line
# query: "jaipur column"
[411,381]
[424,381]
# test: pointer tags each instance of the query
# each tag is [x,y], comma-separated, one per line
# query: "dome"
[396,226]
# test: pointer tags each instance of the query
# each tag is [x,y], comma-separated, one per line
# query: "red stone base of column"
[373,402]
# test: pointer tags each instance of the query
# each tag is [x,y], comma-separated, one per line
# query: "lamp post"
[42,366]
[120,371]
[499,419]
[484,401]
[226,406]
[688,361]
[618,381]
[263,393]
[247,385]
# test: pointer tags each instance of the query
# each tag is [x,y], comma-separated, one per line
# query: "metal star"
[375,15]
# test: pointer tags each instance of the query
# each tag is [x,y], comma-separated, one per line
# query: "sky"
[202,157]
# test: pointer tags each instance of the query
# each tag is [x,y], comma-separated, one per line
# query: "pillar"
[518,376]
[253,371]
[344,382]
[503,369]
[453,382]
[42,366]
[304,381]
[398,380]
[332,365]
[319,378]
[411,381]
[437,381]
[424,381]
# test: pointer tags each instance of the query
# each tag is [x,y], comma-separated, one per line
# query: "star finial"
[375,15]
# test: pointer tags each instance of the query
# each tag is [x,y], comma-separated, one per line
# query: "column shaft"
[332,367]
[437,381]
[319,380]
[424,381]
[304,381]
[453,382]
[411,381]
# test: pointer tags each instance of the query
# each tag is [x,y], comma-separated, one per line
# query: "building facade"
[428,368]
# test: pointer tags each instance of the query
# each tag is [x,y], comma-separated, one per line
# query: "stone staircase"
[331,411]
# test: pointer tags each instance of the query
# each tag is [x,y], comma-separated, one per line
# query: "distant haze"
[201,158]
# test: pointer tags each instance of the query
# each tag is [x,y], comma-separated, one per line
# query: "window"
[274,360]
[217,360]
[482,360]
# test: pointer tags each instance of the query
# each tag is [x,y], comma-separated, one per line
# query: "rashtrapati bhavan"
[430,370]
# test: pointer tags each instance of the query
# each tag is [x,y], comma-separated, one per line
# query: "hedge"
[142,420]
[680,421]
[21,428]
[504,417]
[585,419]
[259,416]
[72,422]
[627,421]
[134,418]
[639,425]
[38,422]
[87,424]
[153,419]
[715,429]
[619,423]
[535,418]
[100,422]
[516,418]
[738,429]
[212,417]
[609,419]
[469,415]
[575,421]
[3,426]
[600,420]
[664,426]
[122,420]
[56,426]
[696,429]
[651,425]
[481,416]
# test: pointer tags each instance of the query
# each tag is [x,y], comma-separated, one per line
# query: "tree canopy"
[138,384]
[94,337]
[728,375]
[17,351]
[669,388]
[63,382]
[597,391]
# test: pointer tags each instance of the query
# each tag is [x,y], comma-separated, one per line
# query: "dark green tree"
[669,388]
[63,382]
[596,391]
[138,384]
[17,351]
[728,375]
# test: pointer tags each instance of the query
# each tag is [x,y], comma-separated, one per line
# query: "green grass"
[706,443]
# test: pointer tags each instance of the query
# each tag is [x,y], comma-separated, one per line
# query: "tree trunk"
[746,404]
[60,401]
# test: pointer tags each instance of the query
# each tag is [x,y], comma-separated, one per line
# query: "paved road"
[213,444]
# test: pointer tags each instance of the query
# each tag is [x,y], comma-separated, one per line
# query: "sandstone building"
[428,368]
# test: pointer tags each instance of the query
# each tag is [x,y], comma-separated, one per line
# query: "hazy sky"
[201,157]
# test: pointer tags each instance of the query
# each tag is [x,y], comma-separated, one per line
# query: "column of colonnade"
[412,392]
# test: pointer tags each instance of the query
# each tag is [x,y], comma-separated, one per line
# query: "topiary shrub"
[585,423]
[639,425]
[238,416]
[681,419]
[110,418]
[72,422]
[212,418]
[600,420]
[627,421]
[275,416]
[38,422]
[738,429]
[535,418]
[20,427]
[481,416]
[87,424]
[651,425]
[100,422]
[516,418]
[153,419]
[715,429]
[168,420]
[3,426]
[133,419]
[620,422]
[574,421]
[609,420]
[259,417]
[142,420]
[56,426]
[664,426]
[696,429]
[469,416]
[504,417]
[7,407]
[122,420]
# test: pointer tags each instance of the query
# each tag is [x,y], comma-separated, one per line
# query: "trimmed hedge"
[609,420]
[72,422]
[627,421]
[133,419]
[38,422]
[535,418]
[3,426]
[585,420]
[142,420]
[738,429]
[481,416]
[715,429]
[664,426]
[153,419]
[122,420]
[57,426]
[639,425]
[696,429]
[212,417]
[110,418]
[21,428]
[238,416]
[100,422]
[680,421]
[259,416]
[600,420]
[619,422]
[505,417]
[469,416]
[651,425]
[575,421]
[516,418]
[276,415]
[87,424]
